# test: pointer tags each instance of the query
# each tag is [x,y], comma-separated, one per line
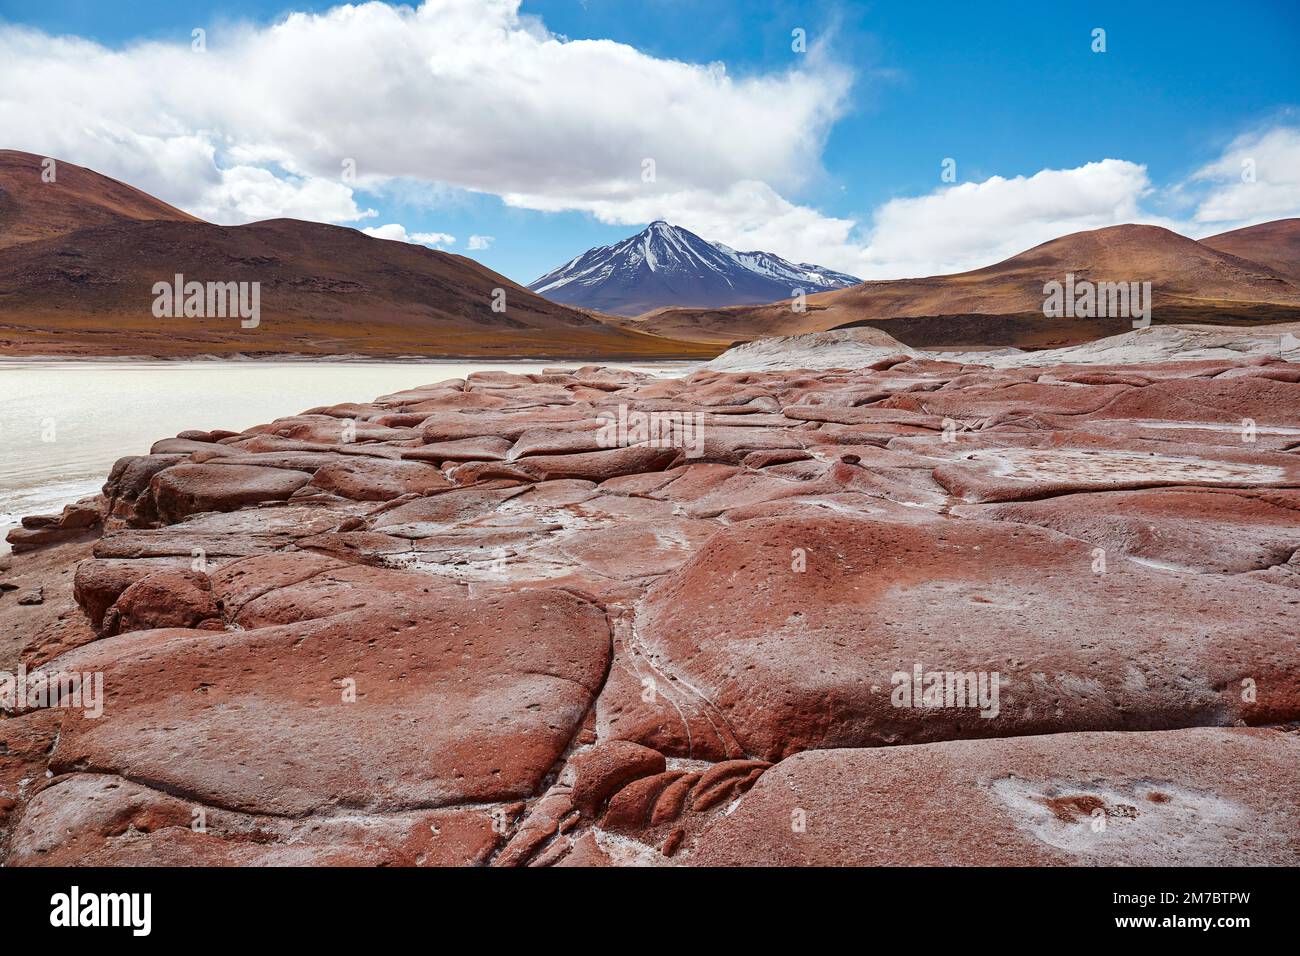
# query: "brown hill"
[324,290]
[77,198]
[1002,304]
[1274,244]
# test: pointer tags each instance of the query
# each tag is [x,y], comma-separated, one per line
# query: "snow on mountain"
[666,265]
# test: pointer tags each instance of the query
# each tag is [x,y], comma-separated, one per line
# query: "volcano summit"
[666,265]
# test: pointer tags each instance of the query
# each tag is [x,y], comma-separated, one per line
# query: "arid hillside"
[39,201]
[83,254]
[1002,304]
[1274,244]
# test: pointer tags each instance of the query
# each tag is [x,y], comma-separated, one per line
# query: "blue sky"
[1182,96]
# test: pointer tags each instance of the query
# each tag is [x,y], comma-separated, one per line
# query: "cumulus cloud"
[301,117]
[969,225]
[243,193]
[397,232]
[966,226]
[462,92]
[973,224]
[952,229]
[1256,179]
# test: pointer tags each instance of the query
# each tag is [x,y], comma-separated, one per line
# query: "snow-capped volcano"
[666,265]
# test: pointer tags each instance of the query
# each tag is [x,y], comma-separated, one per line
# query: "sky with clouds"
[881,139]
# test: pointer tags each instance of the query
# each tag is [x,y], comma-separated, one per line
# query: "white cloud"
[1256,179]
[480,242]
[470,95]
[461,92]
[974,224]
[397,232]
[244,193]
[950,230]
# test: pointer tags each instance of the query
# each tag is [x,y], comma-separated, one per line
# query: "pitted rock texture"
[1203,797]
[594,617]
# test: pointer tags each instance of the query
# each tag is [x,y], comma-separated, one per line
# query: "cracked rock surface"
[922,612]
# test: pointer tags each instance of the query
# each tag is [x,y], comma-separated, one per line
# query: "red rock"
[1009,400]
[672,799]
[630,808]
[184,490]
[29,539]
[169,598]
[455,701]
[79,516]
[1266,401]
[538,827]
[235,534]
[430,515]
[536,641]
[1213,531]
[98,583]
[586,852]
[599,465]
[605,769]
[335,588]
[572,438]
[452,426]
[796,660]
[374,480]
[104,820]
[1014,474]
[185,446]
[629,551]
[1199,797]
[487,448]
[241,581]
[725,780]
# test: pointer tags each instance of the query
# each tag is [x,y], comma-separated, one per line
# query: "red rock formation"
[916,613]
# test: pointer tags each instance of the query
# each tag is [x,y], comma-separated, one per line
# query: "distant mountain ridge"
[80,256]
[1275,244]
[1001,304]
[665,266]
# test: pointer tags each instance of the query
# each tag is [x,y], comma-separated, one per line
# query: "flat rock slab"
[1211,531]
[105,820]
[1198,797]
[797,632]
[183,490]
[1015,474]
[361,479]
[380,708]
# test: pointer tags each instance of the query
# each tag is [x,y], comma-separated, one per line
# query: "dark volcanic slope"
[666,265]
[83,255]
[1184,275]
[1274,244]
[78,198]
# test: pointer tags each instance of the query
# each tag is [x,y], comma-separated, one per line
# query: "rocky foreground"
[455,626]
